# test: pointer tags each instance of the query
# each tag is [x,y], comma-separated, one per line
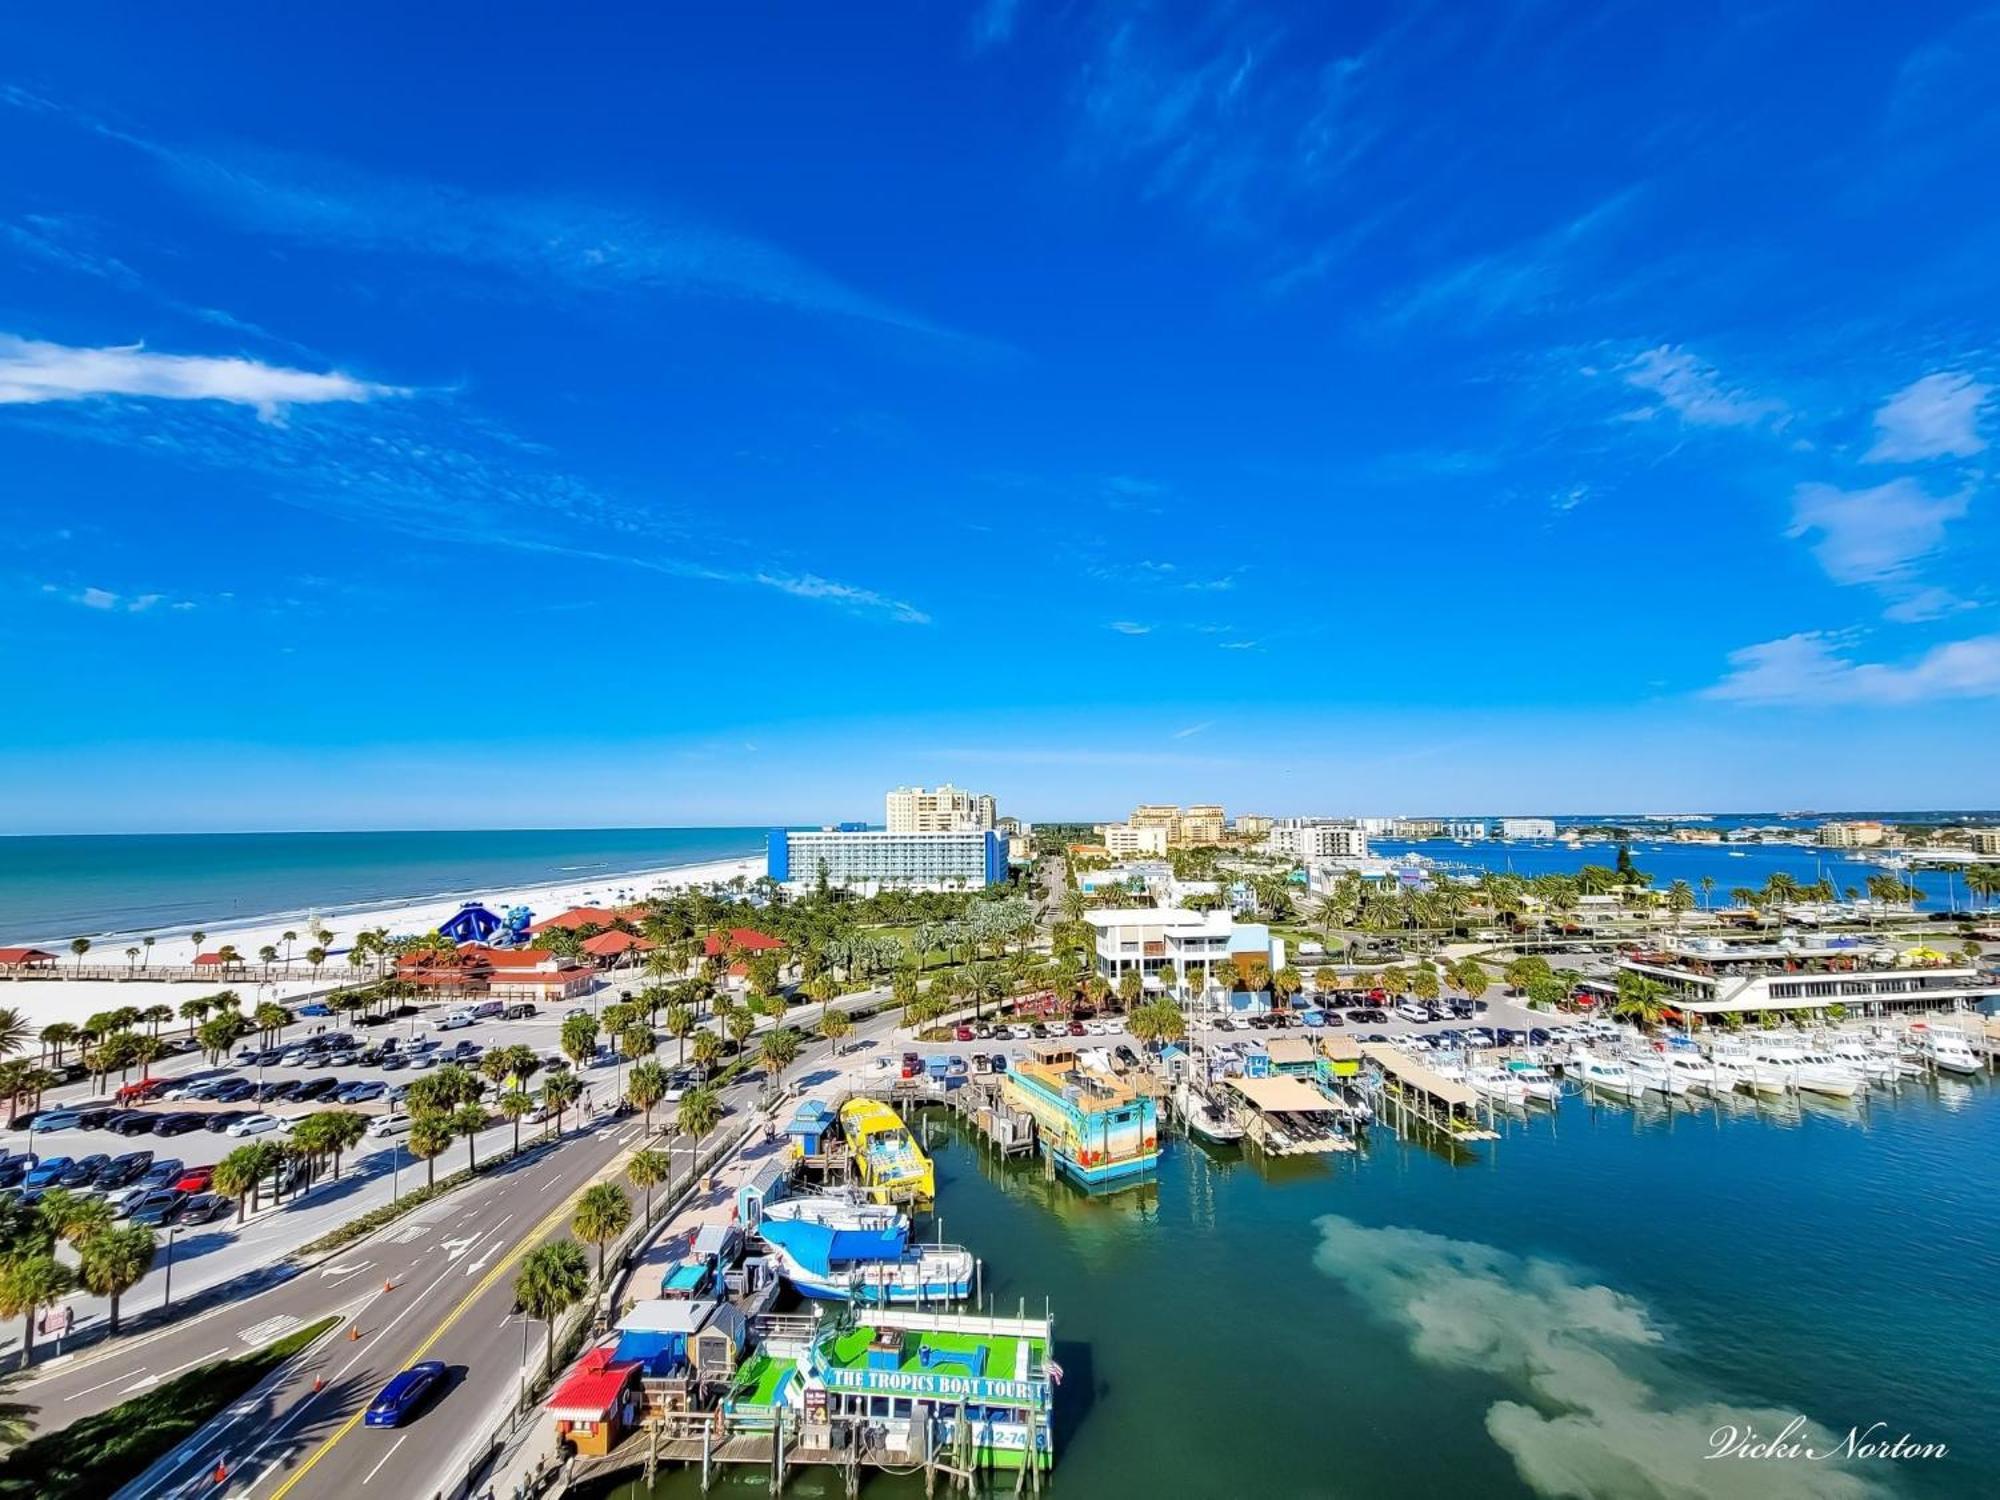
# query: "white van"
[1409,1010]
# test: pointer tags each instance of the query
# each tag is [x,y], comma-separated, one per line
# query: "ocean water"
[1667,862]
[57,887]
[1574,1309]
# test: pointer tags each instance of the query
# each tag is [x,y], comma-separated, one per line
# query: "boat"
[1535,1080]
[1656,1073]
[1206,1119]
[1876,1067]
[1802,1069]
[1944,1049]
[1097,1129]
[837,1250]
[1606,1074]
[1697,1071]
[1498,1085]
[888,1163]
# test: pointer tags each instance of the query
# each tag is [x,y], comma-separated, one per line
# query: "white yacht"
[1876,1067]
[1606,1074]
[1655,1072]
[1697,1071]
[1736,1068]
[1206,1119]
[1535,1080]
[1945,1049]
[1801,1069]
[1499,1085]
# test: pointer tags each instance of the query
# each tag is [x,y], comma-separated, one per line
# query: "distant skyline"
[546,419]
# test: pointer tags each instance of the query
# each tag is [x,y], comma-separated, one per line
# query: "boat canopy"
[820,1247]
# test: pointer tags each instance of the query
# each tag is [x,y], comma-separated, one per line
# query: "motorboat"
[1944,1049]
[1656,1072]
[1796,1068]
[1535,1080]
[1697,1071]
[1498,1085]
[1874,1066]
[1206,1119]
[1606,1074]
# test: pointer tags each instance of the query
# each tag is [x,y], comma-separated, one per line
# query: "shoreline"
[61,998]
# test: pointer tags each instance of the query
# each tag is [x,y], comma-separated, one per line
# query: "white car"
[387,1125]
[258,1124]
[1021,1033]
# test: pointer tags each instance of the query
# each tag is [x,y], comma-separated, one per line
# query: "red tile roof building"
[26,958]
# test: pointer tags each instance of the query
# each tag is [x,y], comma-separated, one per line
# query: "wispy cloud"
[994,24]
[109,601]
[1530,276]
[1875,535]
[1935,417]
[1131,627]
[866,601]
[1813,669]
[1192,730]
[1695,392]
[33,372]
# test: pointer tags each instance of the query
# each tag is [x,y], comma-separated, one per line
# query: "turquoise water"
[57,887]
[1571,1310]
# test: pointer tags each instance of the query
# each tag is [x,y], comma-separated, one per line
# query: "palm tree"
[579,1039]
[602,1213]
[777,1052]
[646,1086]
[649,1169]
[552,1279]
[193,1011]
[559,1091]
[79,946]
[467,1120]
[678,1023]
[834,1025]
[1157,1022]
[707,1050]
[113,1261]
[15,1032]
[57,1036]
[515,1104]
[740,1025]
[288,938]
[240,1174]
[147,944]
[1286,983]
[28,1283]
[700,1111]
[1130,987]
[430,1134]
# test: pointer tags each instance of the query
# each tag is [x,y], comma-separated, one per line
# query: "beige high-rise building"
[1128,839]
[947,809]
[1253,825]
[1203,823]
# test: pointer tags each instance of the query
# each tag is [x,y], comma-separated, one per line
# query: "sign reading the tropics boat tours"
[919,1383]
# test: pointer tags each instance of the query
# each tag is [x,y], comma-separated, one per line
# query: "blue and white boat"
[838,1250]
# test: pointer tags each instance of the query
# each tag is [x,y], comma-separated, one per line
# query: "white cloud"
[1602,1415]
[1935,417]
[1131,627]
[1695,392]
[1873,535]
[31,372]
[107,601]
[812,586]
[1926,604]
[1810,669]
[1239,645]
[1193,729]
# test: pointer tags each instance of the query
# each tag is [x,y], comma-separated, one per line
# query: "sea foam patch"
[1600,1417]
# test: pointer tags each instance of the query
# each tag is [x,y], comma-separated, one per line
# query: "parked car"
[48,1171]
[317,1008]
[233,1090]
[141,1089]
[222,1119]
[202,1208]
[384,1126]
[124,1171]
[257,1124]
[84,1171]
[162,1172]
[177,1124]
[58,1119]
[965,1034]
[315,1089]
[486,1010]
[405,1395]
[195,1179]
[284,1088]
[454,1020]
[158,1206]
[913,1065]
[362,1090]
[522,1012]
[132,1122]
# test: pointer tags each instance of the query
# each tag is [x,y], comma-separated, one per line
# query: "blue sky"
[541,414]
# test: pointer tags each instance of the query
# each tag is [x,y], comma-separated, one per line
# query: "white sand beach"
[44,1001]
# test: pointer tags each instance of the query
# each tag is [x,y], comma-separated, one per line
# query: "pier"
[1417,1095]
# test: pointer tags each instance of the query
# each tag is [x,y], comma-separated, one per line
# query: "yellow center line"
[528,1242]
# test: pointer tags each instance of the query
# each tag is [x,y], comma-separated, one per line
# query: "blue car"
[44,1173]
[59,1119]
[315,1009]
[404,1394]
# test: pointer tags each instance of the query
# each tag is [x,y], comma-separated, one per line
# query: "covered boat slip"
[1419,1094]
[1289,1117]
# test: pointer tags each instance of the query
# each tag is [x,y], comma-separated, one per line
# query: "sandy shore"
[46,1001]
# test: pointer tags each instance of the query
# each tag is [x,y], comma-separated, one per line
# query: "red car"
[912,1065]
[963,1034]
[195,1179]
[145,1088]
[1077,1028]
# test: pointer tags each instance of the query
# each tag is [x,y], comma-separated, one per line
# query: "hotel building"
[947,809]
[1859,835]
[869,860]
[1127,840]
[1308,839]
[1527,828]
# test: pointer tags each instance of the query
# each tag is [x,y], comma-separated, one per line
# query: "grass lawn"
[96,1455]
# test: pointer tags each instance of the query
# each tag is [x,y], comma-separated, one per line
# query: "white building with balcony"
[1713,976]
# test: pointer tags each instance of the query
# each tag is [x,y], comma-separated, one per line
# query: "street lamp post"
[167,1291]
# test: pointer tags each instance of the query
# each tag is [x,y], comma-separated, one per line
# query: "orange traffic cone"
[388,1286]
[319,1384]
[221,1474]
[353,1331]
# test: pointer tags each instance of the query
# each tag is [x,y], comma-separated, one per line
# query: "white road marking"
[455,1248]
[385,1458]
[140,1385]
[112,1381]
[326,1271]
